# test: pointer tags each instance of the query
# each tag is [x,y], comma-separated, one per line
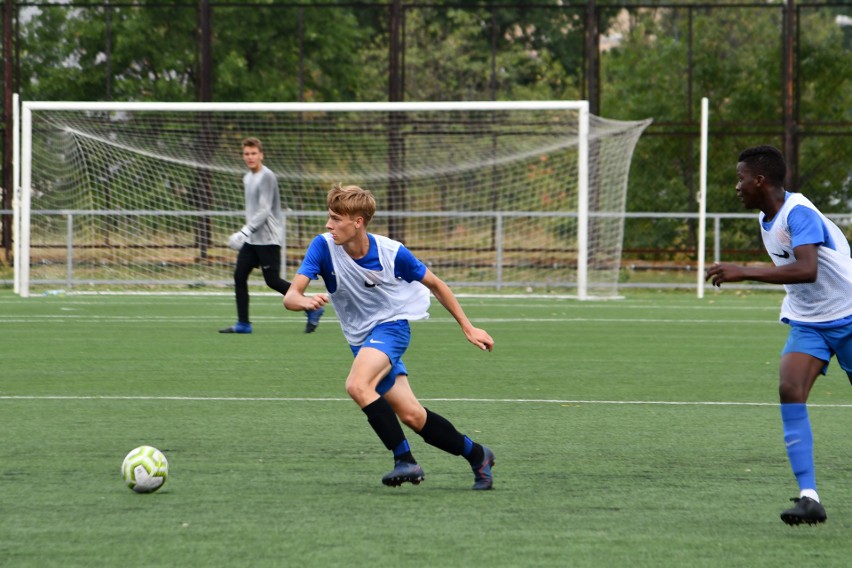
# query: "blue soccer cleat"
[238,327]
[482,478]
[404,472]
[313,319]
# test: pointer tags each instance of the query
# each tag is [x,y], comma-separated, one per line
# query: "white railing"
[716,231]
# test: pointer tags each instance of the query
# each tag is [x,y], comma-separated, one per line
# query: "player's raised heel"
[313,319]
[805,510]
[404,472]
[482,478]
[238,327]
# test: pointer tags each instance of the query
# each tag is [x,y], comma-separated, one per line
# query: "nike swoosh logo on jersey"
[377,342]
[784,254]
[370,284]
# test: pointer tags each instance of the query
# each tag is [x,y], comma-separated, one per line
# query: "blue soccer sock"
[799,440]
[381,417]
[403,453]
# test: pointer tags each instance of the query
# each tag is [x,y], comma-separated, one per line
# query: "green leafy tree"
[455,53]
[257,53]
[825,83]
[153,52]
[151,55]
[731,53]
[737,65]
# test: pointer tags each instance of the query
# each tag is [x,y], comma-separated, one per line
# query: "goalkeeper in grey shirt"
[259,241]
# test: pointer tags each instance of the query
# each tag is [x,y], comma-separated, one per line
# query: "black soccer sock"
[439,432]
[381,417]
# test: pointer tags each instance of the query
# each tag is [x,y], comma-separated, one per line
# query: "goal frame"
[22,167]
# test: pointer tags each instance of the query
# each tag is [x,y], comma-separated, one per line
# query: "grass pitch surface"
[640,432]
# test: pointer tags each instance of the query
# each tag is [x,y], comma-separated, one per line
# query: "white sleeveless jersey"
[827,299]
[365,298]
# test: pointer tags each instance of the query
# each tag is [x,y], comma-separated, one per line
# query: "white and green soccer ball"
[145,469]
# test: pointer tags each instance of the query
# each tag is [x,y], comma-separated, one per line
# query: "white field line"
[526,302]
[442,320]
[259,290]
[334,399]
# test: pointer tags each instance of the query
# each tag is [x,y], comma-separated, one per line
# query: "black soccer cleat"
[313,319]
[482,478]
[805,510]
[404,472]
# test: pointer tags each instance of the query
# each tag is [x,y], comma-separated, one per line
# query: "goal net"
[491,196]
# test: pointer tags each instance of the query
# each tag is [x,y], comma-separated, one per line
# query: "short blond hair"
[352,201]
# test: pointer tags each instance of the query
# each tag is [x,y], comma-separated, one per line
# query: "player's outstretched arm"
[296,300]
[439,288]
[802,271]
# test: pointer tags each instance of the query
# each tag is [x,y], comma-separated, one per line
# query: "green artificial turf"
[639,432]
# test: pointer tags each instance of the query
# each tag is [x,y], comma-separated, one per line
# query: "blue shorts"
[392,339]
[822,343]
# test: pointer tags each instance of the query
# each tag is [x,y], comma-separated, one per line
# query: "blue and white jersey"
[383,286]
[799,222]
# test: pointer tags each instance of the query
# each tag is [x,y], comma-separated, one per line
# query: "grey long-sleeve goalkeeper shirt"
[263,207]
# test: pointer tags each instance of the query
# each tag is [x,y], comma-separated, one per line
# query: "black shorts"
[260,256]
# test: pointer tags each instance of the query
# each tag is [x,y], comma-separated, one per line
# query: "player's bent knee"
[360,391]
[414,417]
[790,393]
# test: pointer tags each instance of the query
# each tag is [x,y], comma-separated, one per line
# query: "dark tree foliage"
[656,60]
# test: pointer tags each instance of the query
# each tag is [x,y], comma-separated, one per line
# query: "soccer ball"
[145,469]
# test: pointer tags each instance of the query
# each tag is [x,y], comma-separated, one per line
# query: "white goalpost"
[16,192]
[525,195]
[702,196]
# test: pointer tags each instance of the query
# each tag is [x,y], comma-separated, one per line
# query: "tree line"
[655,60]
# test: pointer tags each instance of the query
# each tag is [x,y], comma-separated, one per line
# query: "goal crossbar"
[306,107]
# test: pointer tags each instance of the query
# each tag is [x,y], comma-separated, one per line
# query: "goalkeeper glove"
[238,239]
